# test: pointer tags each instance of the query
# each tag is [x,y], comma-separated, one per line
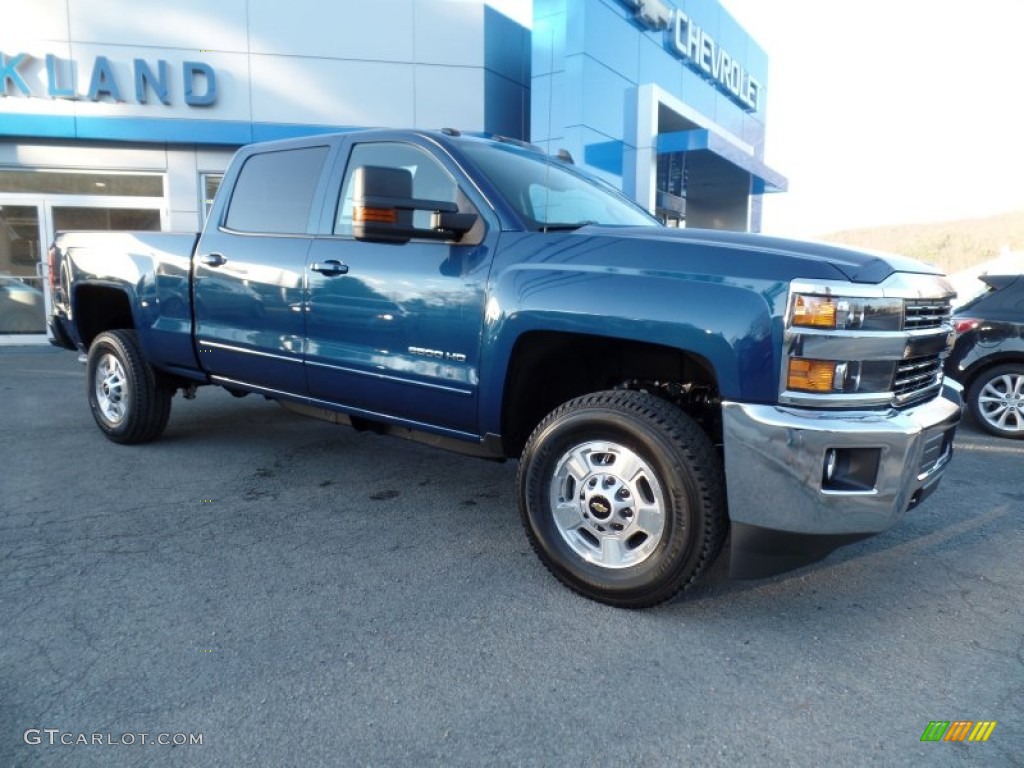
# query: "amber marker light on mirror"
[811,375]
[814,311]
[380,215]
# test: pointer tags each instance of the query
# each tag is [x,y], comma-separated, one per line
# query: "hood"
[818,259]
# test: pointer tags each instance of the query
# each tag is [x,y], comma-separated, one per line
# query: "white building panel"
[37,20]
[450,32]
[448,97]
[380,30]
[326,92]
[192,24]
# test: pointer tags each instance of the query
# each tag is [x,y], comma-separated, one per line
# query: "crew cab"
[659,387]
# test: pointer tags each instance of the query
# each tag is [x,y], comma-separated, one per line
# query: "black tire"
[127,398]
[996,400]
[664,455]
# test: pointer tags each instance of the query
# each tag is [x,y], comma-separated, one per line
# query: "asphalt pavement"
[293,593]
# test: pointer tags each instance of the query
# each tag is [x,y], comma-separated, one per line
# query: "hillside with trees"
[951,245]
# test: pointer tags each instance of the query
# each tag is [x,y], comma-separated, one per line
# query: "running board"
[488,447]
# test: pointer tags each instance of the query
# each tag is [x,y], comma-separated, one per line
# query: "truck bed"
[151,269]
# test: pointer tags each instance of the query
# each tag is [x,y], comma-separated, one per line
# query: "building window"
[209,183]
[70,218]
[76,183]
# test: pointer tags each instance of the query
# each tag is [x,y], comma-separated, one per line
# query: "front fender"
[729,325]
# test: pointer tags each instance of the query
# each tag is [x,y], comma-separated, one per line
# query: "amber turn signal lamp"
[814,311]
[811,375]
[379,215]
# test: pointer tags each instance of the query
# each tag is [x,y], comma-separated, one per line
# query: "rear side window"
[274,191]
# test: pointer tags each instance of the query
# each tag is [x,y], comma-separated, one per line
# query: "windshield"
[549,195]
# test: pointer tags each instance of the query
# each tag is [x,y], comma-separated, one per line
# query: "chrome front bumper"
[775,458]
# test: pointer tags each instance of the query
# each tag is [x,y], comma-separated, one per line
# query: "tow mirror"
[383,206]
[376,194]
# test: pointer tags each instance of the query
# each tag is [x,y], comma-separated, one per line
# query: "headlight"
[846,313]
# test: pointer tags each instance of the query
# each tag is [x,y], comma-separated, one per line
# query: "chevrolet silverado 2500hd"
[659,387]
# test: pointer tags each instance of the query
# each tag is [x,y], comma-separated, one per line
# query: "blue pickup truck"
[661,388]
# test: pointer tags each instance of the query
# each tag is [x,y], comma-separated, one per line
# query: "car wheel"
[128,400]
[621,495]
[996,400]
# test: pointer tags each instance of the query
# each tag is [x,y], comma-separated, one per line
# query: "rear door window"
[274,192]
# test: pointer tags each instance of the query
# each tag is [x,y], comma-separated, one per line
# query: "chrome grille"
[926,313]
[916,378]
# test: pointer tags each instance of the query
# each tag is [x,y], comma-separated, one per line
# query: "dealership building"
[124,115]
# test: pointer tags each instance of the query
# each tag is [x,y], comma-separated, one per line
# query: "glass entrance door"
[35,204]
[22,301]
[27,227]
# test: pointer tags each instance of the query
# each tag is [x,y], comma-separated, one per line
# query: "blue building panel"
[729,116]
[548,45]
[544,8]
[707,14]
[659,66]
[605,98]
[548,101]
[606,156]
[610,39]
[585,144]
[507,49]
[696,93]
[506,106]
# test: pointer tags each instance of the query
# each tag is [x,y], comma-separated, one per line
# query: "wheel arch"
[548,368]
[99,307]
[989,362]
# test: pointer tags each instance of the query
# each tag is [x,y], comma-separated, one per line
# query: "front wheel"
[621,495]
[996,400]
[127,399]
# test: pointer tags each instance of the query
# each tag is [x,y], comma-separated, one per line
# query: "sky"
[890,111]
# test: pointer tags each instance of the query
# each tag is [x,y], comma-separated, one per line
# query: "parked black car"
[988,358]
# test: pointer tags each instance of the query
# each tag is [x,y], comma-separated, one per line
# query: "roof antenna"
[547,155]
[563,155]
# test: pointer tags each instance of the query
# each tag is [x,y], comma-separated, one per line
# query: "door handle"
[213,259]
[330,268]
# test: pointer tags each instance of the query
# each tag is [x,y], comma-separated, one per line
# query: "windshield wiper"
[565,227]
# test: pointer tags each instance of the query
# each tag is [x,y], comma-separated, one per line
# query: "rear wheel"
[128,400]
[621,494]
[996,400]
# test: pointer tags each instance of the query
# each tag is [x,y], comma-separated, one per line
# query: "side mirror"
[383,206]
[376,193]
